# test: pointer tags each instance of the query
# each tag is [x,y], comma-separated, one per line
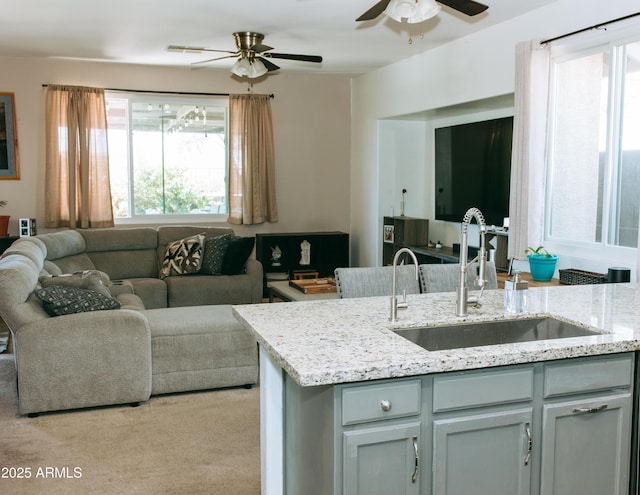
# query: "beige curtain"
[528,156]
[77,188]
[252,189]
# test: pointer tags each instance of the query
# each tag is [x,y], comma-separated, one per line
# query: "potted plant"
[541,263]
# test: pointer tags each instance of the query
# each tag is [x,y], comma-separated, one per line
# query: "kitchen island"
[316,355]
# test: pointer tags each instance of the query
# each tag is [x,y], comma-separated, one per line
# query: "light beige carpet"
[194,443]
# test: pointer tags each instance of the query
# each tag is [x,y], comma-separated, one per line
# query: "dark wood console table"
[328,251]
[6,241]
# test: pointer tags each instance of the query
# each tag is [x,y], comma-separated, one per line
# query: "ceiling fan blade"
[374,11]
[196,49]
[289,56]
[184,49]
[259,48]
[237,52]
[268,64]
[468,7]
[212,59]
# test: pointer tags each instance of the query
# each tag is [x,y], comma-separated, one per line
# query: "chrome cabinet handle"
[416,466]
[527,457]
[385,405]
[589,410]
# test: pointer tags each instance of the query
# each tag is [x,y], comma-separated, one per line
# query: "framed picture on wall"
[9,164]
[388,233]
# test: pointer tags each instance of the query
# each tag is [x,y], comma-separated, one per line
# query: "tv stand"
[446,254]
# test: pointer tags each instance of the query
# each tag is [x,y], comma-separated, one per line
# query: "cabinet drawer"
[482,388]
[579,376]
[380,401]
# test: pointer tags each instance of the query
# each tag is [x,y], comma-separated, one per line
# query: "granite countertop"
[350,340]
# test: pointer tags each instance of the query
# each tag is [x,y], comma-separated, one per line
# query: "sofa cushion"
[183,256]
[125,253]
[86,279]
[60,300]
[152,291]
[215,248]
[130,301]
[63,243]
[237,255]
[214,350]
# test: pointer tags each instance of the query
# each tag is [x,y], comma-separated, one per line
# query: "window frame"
[176,98]
[602,251]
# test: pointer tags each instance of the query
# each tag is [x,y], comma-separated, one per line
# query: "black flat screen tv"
[473,168]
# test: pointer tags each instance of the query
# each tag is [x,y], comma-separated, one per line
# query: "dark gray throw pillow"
[215,247]
[59,300]
[237,255]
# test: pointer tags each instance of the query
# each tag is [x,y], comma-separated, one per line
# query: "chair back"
[446,277]
[375,281]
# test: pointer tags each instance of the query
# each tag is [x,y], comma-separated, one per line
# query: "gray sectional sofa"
[169,334]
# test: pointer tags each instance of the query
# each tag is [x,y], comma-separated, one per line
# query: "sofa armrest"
[83,360]
[255,273]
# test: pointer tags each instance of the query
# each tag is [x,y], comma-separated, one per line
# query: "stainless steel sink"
[493,333]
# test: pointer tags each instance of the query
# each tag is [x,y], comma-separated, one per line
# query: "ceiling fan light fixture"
[399,9]
[241,68]
[413,11]
[249,69]
[257,69]
[425,9]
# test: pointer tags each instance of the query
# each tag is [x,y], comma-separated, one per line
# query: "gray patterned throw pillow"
[183,256]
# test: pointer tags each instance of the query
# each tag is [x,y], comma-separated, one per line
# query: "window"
[168,155]
[593,188]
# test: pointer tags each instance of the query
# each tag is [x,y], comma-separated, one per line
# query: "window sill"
[154,220]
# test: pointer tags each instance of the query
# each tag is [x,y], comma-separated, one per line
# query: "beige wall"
[311,117]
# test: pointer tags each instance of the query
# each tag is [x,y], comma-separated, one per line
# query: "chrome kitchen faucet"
[462,298]
[394,300]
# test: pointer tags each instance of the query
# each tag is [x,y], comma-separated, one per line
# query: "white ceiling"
[138,31]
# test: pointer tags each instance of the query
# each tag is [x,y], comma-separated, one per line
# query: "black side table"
[6,241]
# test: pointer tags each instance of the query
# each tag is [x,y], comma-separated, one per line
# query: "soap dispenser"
[515,294]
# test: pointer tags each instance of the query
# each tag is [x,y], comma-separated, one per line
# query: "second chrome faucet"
[394,299]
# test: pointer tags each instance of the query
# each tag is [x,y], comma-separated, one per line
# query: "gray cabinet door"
[382,460]
[483,454]
[585,446]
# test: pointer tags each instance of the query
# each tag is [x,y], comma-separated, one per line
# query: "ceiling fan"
[251,55]
[419,10]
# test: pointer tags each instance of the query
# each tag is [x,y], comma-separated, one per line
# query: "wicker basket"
[571,276]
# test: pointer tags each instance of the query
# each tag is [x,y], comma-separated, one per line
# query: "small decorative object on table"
[276,254]
[27,227]
[402,203]
[541,263]
[305,253]
[388,233]
[304,274]
[314,286]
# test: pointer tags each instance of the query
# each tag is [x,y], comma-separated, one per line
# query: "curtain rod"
[166,92]
[596,26]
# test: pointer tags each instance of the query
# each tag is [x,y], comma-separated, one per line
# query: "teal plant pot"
[542,267]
